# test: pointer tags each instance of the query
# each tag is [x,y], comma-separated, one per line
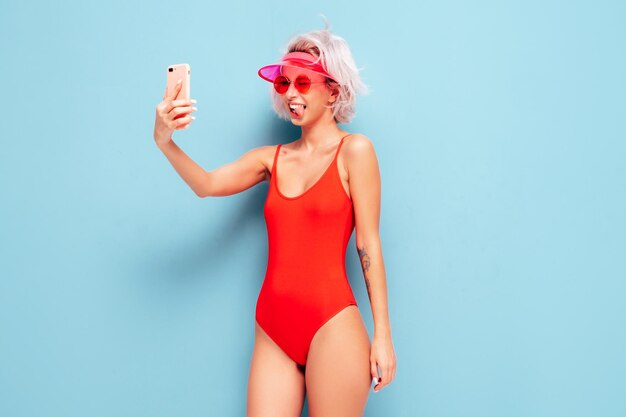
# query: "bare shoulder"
[359,148]
[258,159]
[358,143]
[265,154]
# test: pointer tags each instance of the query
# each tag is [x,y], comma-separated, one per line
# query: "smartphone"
[179,72]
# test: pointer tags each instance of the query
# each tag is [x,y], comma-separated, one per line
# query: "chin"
[296,121]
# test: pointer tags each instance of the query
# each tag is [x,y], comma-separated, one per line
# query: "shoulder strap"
[341,143]
[275,158]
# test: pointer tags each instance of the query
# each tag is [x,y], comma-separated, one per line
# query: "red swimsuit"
[305,282]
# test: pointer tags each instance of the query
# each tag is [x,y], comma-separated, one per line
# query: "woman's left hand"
[382,356]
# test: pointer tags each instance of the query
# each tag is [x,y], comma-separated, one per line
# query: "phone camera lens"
[171,69]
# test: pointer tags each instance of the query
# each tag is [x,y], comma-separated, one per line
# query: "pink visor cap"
[293,59]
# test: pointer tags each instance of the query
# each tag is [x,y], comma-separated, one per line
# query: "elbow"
[203,192]
[200,192]
[204,189]
[371,241]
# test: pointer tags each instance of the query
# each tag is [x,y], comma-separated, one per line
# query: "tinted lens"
[303,83]
[281,84]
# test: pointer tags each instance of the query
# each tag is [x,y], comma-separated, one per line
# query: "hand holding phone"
[173,112]
[174,74]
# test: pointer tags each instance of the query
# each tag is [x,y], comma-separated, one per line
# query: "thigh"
[338,370]
[275,382]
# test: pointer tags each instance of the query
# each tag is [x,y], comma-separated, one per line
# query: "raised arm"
[228,179]
[365,185]
[232,178]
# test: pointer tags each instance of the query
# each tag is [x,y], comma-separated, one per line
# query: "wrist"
[382,334]
[164,144]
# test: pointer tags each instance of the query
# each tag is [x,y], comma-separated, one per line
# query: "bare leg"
[275,382]
[338,376]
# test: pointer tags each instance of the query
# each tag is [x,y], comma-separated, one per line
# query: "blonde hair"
[334,54]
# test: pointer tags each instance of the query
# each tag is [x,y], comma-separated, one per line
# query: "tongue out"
[298,111]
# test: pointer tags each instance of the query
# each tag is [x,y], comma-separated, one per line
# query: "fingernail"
[193,108]
[193,101]
[193,118]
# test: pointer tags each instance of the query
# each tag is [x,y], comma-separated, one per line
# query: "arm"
[364,180]
[365,185]
[228,179]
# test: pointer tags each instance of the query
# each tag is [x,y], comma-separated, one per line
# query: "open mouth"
[297,109]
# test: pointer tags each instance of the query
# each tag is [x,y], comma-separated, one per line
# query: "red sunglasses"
[302,84]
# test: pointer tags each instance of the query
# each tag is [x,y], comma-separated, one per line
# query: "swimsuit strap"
[280,144]
[340,143]
[275,158]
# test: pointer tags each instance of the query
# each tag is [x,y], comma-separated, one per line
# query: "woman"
[310,337]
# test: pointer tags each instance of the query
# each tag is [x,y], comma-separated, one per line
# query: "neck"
[320,134]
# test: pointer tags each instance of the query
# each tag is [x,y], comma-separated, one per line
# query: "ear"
[334,94]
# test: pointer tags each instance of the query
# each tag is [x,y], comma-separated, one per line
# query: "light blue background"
[499,129]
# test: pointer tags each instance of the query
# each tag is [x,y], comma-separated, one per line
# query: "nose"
[292,91]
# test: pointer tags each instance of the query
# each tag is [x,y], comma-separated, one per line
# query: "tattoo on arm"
[365,264]
[365,258]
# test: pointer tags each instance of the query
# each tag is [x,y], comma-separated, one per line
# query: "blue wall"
[499,128]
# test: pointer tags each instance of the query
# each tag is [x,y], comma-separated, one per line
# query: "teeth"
[293,106]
